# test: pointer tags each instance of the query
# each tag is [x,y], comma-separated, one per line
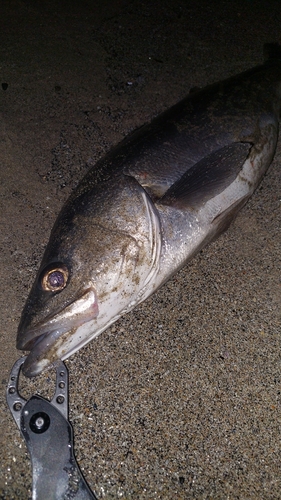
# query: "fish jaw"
[66,333]
[44,340]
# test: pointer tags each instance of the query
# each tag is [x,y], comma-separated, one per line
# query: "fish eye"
[54,278]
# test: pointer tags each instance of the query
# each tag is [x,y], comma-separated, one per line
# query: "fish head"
[90,275]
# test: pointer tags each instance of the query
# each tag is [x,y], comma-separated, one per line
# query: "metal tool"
[49,438]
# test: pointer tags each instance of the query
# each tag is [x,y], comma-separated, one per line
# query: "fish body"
[147,207]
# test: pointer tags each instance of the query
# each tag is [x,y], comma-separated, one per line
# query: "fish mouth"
[43,352]
[54,338]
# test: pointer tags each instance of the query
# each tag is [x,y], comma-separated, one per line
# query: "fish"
[147,207]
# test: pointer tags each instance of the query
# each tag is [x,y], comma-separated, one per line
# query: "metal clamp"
[49,438]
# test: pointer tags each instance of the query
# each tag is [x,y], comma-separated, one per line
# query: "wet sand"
[181,397]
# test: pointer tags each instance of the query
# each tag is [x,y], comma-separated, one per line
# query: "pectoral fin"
[207,178]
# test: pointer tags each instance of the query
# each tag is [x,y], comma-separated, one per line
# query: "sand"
[180,398]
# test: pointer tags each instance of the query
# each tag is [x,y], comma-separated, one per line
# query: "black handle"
[49,439]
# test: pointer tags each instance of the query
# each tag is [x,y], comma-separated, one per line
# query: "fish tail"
[272,51]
